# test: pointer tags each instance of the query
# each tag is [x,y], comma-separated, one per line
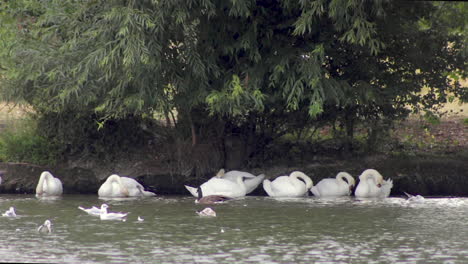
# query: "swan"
[46,227]
[91,211]
[10,212]
[334,186]
[288,186]
[251,181]
[210,199]
[207,212]
[48,185]
[224,187]
[111,216]
[116,186]
[372,184]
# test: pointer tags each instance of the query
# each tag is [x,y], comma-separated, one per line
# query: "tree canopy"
[285,62]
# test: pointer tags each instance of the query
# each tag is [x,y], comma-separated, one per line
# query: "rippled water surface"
[248,230]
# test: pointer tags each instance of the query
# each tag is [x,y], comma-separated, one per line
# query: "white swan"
[251,181]
[48,185]
[288,186]
[111,216]
[46,227]
[91,211]
[10,212]
[116,186]
[371,184]
[334,187]
[224,187]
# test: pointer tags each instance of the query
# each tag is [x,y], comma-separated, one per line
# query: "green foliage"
[263,67]
[24,144]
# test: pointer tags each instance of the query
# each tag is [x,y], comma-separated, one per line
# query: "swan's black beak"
[379,185]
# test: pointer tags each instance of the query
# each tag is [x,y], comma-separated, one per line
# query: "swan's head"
[220,173]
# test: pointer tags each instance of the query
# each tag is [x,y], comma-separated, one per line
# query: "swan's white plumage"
[48,185]
[10,212]
[251,181]
[117,186]
[111,216]
[223,187]
[288,186]
[372,185]
[334,187]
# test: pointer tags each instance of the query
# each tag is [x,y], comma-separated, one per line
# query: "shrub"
[24,144]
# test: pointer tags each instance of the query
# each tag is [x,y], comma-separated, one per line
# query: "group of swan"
[114,186]
[235,184]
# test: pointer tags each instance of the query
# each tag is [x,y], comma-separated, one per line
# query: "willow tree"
[247,62]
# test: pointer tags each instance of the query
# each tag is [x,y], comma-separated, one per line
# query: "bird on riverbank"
[117,186]
[297,184]
[372,185]
[94,211]
[334,187]
[46,227]
[48,185]
[207,212]
[111,216]
[10,212]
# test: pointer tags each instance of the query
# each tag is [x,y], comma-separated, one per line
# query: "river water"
[247,230]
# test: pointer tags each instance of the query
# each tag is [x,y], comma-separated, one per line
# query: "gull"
[10,212]
[111,216]
[46,227]
[207,212]
[414,198]
[91,211]
[140,219]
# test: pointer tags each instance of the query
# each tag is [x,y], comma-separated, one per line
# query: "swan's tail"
[252,183]
[386,188]
[81,208]
[192,190]
[315,191]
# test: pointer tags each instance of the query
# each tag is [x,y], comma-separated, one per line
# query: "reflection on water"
[247,230]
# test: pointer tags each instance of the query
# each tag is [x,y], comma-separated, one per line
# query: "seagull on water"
[46,227]
[91,211]
[111,216]
[207,212]
[10,212]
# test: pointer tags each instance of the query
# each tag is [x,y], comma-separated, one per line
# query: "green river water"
[246,230]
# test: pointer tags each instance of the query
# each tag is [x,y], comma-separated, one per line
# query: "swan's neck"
[349,179]
[307,180]
[43,180]
[117,179]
